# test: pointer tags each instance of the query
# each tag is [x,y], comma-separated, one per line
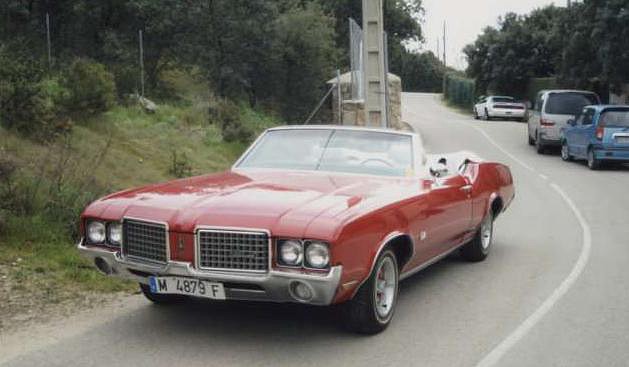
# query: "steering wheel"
[381,160]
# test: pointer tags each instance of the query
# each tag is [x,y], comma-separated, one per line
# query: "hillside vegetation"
[43,187]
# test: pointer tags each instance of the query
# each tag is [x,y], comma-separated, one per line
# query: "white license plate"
[509,113]
[187,287]
[622,139]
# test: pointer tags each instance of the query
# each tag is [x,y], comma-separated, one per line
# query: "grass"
[124,147]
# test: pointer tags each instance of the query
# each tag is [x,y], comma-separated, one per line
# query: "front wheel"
[478,248]
[372,308]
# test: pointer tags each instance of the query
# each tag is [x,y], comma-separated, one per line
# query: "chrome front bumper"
[273,286]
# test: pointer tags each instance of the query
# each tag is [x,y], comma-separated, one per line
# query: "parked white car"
[552,110]
[499,107]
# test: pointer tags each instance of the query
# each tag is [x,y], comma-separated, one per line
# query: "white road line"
[492,141]
[512,339]
[543,177]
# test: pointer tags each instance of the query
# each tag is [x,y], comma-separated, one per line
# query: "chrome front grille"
[145,241]
[233,250]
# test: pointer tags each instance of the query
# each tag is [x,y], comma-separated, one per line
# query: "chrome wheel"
[486,232]
[385,288]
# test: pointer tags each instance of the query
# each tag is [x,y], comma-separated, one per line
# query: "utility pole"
[374,77]
[48,43]
[444,44]
[438,49]
[141,63]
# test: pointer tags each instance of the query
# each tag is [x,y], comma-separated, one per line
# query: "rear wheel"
[486,115]
[531,141]
[478,248]
[372,308]
[539,146]
[159,299]
[593,162]
[565,152]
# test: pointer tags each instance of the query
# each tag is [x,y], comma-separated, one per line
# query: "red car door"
[449,213]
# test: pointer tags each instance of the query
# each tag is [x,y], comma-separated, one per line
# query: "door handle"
[467,188]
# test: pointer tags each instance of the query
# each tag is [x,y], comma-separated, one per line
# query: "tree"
[503,59]
[422,72]
[306,56]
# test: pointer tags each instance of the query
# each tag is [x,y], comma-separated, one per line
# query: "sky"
[465,20]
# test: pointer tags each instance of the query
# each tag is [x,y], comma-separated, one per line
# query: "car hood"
[288,203]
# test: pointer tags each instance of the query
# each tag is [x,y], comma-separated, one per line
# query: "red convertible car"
[319,215]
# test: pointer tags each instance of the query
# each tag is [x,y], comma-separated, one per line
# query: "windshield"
[569,103]
[502,99]
[615,118]
[364,152]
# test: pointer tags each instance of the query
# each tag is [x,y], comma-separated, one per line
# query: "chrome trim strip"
[137,260]
[197,247]
[426,264]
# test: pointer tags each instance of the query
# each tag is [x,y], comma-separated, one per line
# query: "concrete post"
[373,30]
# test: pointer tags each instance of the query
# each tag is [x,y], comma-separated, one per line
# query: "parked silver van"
[551,112]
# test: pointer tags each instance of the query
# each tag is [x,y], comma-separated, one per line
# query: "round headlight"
[291,253]
[96,232]
[115,234]
[317,255]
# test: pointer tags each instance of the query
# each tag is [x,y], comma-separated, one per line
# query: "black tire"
[593,163]
[478,248]
[360,313]
[476,117]
[531,141]
[565,154]
[540,148]
[486,116]
[160,299]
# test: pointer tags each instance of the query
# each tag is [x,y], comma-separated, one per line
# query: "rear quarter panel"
[490,180]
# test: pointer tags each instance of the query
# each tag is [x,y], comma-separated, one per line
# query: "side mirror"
[571,122]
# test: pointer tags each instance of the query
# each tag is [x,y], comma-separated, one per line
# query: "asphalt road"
[554,291]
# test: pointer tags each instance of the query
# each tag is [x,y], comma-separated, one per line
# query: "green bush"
[23,103]
[228,117]
[458,90]
[180,166]
[92,89]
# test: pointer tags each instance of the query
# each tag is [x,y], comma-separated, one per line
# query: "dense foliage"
[271,54]
[584,46]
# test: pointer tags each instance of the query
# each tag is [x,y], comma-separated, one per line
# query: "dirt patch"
[23,305]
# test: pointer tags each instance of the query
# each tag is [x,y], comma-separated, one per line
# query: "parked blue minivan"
[598,134]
